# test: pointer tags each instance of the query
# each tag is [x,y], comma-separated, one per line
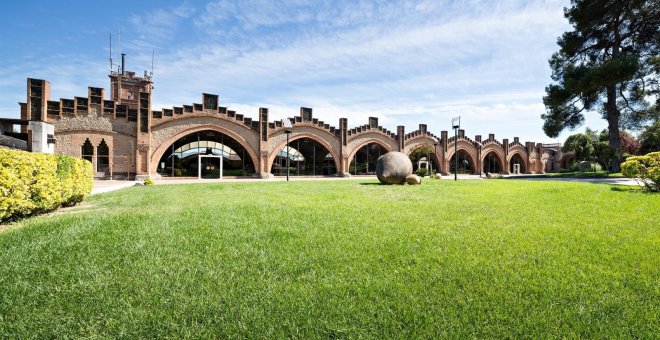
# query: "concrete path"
[618,181]
[101,186]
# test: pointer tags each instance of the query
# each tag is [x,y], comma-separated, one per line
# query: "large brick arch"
[419,141]
[356,142]
[466,146]
[163,135]
[518,150]
[416,142]
[498,151]
[277,141]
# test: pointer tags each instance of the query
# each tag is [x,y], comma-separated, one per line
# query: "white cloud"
[405,62]
[398,68]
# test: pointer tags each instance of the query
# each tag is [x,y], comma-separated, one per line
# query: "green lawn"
[339,259]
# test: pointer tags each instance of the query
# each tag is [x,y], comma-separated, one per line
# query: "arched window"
[492,163]
[103,157]
[88,151]
[365,159]
[307,157]
[465,165]
[205,148]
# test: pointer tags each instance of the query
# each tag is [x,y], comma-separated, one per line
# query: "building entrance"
[210,167]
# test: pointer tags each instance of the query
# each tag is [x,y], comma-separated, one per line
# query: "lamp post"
[435,151]
[594,157]
[287,129]
[456,124]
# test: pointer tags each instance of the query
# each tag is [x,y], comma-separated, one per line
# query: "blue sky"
[407,62]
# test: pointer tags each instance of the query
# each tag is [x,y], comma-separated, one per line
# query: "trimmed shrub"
[36,182]
[584,166]
[421,172]
[645,169]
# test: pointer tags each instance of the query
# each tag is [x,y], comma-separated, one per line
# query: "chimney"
[123,61]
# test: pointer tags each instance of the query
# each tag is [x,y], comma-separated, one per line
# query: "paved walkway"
[605,180]
[101,186]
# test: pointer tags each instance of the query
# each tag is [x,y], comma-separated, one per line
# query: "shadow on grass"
[630,188]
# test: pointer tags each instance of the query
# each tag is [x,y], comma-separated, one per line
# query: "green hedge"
[36,182]
[645,169]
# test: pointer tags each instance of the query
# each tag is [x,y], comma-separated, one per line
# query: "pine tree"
[609,63]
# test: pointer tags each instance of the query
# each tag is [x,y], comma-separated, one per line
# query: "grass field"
[338,259]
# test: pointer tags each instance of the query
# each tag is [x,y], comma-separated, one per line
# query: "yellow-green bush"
[645,169]
[36,182]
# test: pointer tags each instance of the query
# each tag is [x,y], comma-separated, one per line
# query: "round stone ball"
[393,168]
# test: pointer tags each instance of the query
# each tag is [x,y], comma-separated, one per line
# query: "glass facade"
[465,165]
[307,157]
[214,151]
[365,159]
[492,164]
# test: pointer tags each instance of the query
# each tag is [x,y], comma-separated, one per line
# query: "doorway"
[210,167]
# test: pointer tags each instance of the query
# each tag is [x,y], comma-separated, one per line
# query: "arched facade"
[357,142]
[492,162]
[173,132]
[516,149]
[469,148]
[278,142]
[302,135]
[135,136]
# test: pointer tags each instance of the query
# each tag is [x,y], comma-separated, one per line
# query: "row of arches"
[214,154]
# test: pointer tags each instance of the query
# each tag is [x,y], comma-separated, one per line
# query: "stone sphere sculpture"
[393,168]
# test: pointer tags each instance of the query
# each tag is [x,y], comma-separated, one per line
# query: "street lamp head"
[456,122]
[288,128]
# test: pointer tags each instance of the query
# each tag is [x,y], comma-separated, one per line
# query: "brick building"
[124,136]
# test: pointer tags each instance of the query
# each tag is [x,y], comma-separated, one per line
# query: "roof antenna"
[120,41]
[153,51]
[110,53]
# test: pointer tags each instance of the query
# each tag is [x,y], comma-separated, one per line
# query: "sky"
[406,62]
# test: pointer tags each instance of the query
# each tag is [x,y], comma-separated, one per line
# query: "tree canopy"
[580,144]
[610,63]
[649,139]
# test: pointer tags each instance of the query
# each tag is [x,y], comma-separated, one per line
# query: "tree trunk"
[614,139]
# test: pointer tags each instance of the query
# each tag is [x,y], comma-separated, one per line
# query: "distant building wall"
[138,136]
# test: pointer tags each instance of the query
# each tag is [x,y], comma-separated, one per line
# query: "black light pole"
[435,153]
[593,153]
[287,130]
[456,124]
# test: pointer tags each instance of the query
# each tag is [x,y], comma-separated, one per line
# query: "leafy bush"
[35,182]
[645,169]
[421,172]
[149,181]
